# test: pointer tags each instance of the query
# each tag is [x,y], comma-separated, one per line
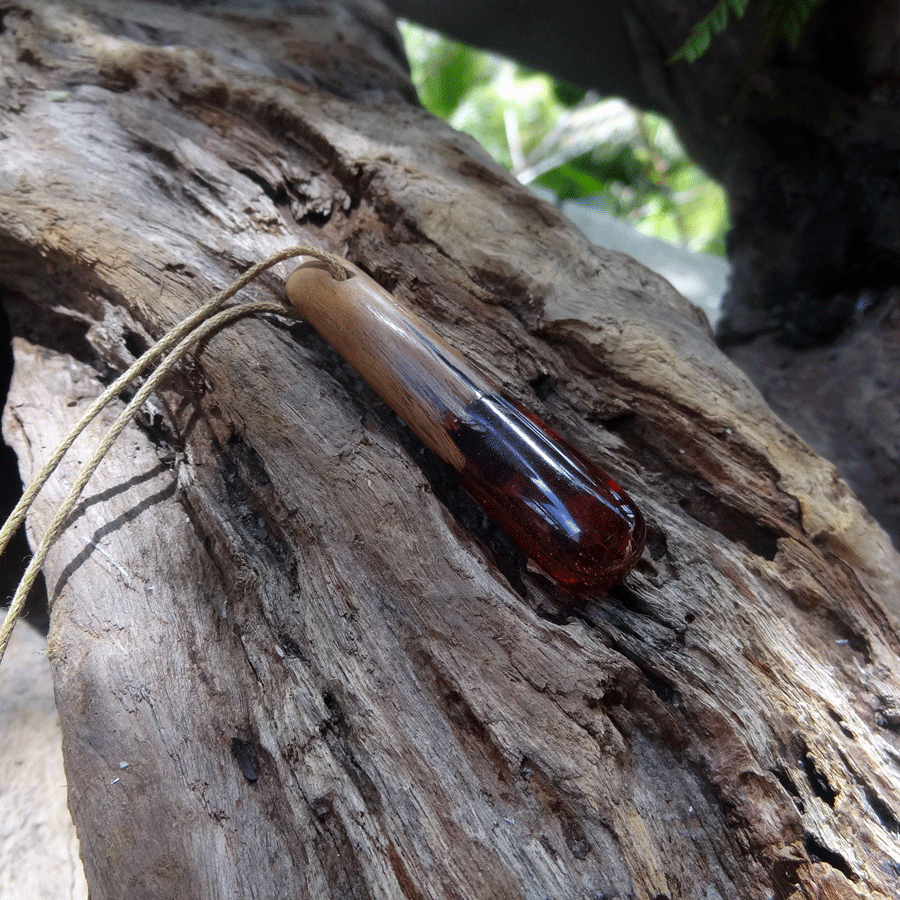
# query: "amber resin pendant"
[562,510]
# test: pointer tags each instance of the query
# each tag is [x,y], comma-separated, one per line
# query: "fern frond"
[782,19]
[714,22]
[786,19]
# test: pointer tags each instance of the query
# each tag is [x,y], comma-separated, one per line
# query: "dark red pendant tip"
[563,510]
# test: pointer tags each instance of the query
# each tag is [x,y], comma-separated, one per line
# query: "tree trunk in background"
[805,144]
[291,658]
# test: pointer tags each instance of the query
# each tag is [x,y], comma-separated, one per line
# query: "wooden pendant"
[562,510]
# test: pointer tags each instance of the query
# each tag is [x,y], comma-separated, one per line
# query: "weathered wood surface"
[842,398]
[804,142]
[328,676]
[38,848]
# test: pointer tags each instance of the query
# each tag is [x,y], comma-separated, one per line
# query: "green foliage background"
[782,20]
[599,150]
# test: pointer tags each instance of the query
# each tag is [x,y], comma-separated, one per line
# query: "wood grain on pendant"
[561,509]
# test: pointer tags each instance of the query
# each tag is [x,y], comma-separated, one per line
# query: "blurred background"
[618,172]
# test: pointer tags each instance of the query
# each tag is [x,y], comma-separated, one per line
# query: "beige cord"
[169,340]
[193,329]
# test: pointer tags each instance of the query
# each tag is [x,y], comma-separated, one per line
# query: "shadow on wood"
[327,676]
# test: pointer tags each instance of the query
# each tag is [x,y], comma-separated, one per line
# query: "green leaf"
[450,82]
[786,19]
[718,18]
[574,180]
[701,34]
[638,174]
[782,19]
[701,43]
[568,94]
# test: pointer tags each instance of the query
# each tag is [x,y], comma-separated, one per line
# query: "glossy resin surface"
[564,511]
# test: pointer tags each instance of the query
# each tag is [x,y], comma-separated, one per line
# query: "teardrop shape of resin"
[561,509]
[564,511]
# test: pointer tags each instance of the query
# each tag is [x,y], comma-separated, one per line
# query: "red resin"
[562,510]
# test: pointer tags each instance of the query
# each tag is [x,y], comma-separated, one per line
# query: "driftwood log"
[804,141]
[290,657]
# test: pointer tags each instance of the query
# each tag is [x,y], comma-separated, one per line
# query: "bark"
[842,398]
[804,143]
[327,674]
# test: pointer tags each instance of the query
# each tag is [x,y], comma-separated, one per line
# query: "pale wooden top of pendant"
[422,378]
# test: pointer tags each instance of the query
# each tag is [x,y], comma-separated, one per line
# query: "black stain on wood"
[244,754]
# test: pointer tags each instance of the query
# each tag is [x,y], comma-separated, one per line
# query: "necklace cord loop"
[172,347]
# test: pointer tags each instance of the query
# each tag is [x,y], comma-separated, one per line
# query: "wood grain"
[341,684]
[418,374]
